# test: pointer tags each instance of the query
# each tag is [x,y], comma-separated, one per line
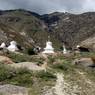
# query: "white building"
[13,46]
[48,49]
[3,45]
[64,50]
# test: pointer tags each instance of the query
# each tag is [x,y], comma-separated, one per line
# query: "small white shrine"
[64,49]
[13,46]
[3,45]
[77,46]
[48,49]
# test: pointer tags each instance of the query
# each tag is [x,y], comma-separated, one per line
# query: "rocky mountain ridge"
[70,28]
[29,28]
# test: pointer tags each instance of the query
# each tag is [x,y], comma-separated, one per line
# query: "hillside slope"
[22,25]
[58,77]
[70,28]
[25,24]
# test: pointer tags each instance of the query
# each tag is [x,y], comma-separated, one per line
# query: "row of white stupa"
[48,49]
[12,47]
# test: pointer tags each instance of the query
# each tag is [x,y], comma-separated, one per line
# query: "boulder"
[27,65]
[86,62]
[89,43]
[8,89]
[5,60]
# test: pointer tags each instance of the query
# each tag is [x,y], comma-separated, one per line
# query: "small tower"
[48,49]
[13,46]
[64,49]
[3,45]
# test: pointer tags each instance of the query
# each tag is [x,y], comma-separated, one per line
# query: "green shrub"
[20,76]
[38,60]
[5,72]
[24,77]
[60,66]
[66,66]
[31,51]
[18,58]
[51,59]
[45,75]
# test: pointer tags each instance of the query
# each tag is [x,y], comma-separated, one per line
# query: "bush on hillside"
[45,75]
[20,76]
[23,76]
[31,51]
[18,57]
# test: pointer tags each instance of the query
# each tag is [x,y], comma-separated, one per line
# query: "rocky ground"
[64,87]
[71,79]
[13,90]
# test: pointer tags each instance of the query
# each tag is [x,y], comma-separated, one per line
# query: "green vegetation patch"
[24,77]
[19,57]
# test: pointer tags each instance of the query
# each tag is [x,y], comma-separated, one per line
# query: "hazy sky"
[48,6]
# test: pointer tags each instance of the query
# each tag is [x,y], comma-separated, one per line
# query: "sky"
[49,6]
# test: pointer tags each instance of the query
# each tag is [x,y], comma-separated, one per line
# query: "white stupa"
[13,46]
[48,49]
[3,45]
[78,46]
[64,50]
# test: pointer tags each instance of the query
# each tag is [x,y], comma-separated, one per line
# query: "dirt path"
[57,89]
[62,87]
[87,84]
[59,85]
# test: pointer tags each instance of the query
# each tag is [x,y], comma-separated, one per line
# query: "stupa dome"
[48,48]
[3,45]
[13,46]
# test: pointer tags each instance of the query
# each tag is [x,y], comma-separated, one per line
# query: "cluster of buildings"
[50,50]
[12,47]
[47,50]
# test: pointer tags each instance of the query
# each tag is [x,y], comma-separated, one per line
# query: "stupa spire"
[64,49]
[48,38]
[48,49]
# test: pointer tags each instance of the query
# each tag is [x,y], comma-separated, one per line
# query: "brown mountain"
[25,27]
[30,29]
[70,28]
